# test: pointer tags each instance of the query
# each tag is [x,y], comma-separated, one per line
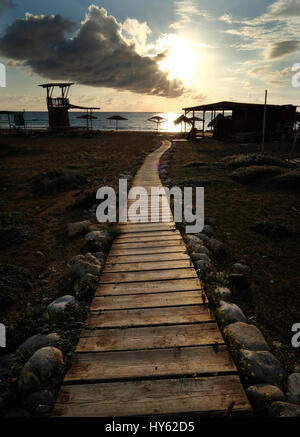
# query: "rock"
[284,409]
[201,250]
[200,257]
[229,312]
[60,304]
[40,369]
[193,242]
[262,395]
[8,366]
[80,265]
[40,397]
[36,342]
[208,230]
[296,369]
[202,237]
[248,336]
[100,236]
[223,292]
[42,410]
[99,256]
[95,241]
[262,367]
[202,265]
[78,228]
[241,267]
[238,281]
[293,388]
[215,245]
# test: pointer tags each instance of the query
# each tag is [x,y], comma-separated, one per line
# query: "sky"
[141,55]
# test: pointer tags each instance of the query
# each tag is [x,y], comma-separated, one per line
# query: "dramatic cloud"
[282,49]
[5,4]
[98,55]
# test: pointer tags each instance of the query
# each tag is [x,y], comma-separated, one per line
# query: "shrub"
[254,173]
[237,161]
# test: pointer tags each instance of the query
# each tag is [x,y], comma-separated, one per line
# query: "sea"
[136,121]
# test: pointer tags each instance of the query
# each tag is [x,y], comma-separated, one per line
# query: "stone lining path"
[149,344]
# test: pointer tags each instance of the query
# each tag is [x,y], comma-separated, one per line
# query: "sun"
[181,61]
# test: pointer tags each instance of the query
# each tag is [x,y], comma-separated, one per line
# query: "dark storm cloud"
[4,4]
[281,49]
[97,55]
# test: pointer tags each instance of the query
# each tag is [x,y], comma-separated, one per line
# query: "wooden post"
[294,142]
[203,124]
[264,123]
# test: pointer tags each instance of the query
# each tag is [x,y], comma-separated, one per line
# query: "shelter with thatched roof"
[245,120]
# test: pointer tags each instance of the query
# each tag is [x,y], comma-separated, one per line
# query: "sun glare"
[181,61]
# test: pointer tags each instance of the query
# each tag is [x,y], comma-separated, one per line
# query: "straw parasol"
[88,117]
[182,119]
[117,118]
[158,120]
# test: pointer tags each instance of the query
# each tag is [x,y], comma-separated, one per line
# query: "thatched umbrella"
[158,120]
[182,119]
[117,118]
[88,117]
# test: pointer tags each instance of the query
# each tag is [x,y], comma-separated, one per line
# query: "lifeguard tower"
[58,107]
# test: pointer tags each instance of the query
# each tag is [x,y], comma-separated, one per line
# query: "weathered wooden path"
[150,345]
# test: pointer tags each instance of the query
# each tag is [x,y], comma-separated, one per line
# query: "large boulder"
[78,228]
[293,388]
[229,312]
[36,342]
[284,409]
[262,367]
[247,336]
[40,369]
[262,395]
[60,305]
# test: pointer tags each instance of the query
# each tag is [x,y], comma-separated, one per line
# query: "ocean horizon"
[136,121]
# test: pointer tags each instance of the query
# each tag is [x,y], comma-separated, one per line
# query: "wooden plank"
[142,266]
[150,227]
[153,275]
[148,287]
[156,257]
[149,316]
[147,250]
[145,238]
[93,367]
[153,397]
[101,340]
[146,300]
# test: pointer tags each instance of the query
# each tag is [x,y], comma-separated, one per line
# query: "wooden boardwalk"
[150,345]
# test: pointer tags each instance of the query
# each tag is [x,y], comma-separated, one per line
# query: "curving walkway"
[150,345]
